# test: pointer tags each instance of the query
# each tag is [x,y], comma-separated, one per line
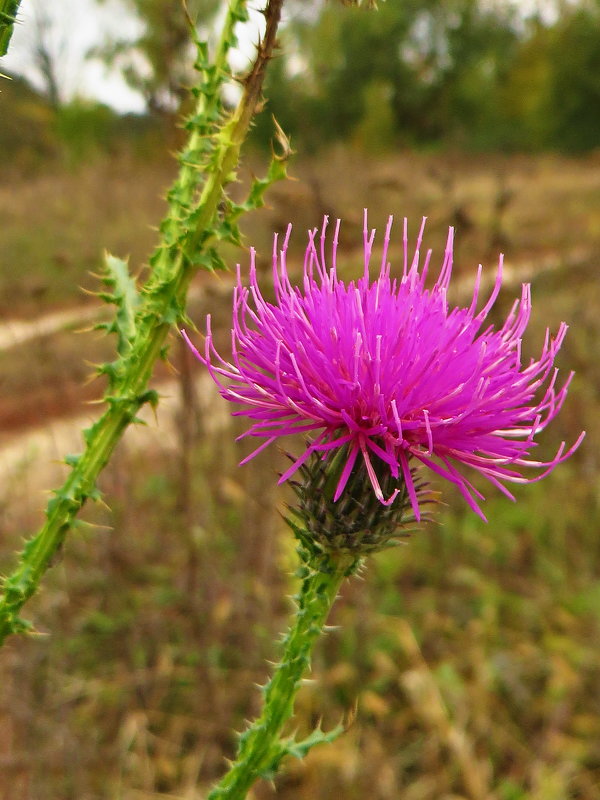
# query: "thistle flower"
[384,372]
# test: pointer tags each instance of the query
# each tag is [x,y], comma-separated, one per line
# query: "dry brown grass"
[56,225]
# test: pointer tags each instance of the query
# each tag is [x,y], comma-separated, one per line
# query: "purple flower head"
[386,370]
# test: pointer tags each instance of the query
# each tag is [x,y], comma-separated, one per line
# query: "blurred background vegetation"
[473,653]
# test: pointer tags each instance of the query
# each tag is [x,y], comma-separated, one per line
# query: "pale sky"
[76,27]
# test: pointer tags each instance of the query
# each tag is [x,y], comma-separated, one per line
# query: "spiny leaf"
[318,736]
[124,296]
[277,171]
[151,397]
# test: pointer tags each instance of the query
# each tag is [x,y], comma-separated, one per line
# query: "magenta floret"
[386,369]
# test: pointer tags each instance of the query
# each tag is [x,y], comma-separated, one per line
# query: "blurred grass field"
[57,221]
[466,663]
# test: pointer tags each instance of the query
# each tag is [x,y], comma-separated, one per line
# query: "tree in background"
[469,51]
[157,64]
[435,66]
[47,54]
[573,100]
[462,72]
[467,74]
[331,58]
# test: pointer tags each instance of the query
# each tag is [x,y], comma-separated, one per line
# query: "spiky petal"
[386,370]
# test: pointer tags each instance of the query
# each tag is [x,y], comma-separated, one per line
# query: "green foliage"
[124,295]
[423,55]
[462,73]
[573,102]
[376,131]
[27,126]
[83,128]
[38,134]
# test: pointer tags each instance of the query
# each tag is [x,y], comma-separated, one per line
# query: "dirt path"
[33,459]
[16,331]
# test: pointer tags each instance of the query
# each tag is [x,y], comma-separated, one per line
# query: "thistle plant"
[389,382]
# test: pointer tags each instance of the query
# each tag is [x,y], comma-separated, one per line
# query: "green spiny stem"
[8,17]
[162,303]
[260,747]
[207,110]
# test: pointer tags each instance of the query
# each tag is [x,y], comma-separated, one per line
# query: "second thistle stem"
[186,233]
[260,747]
